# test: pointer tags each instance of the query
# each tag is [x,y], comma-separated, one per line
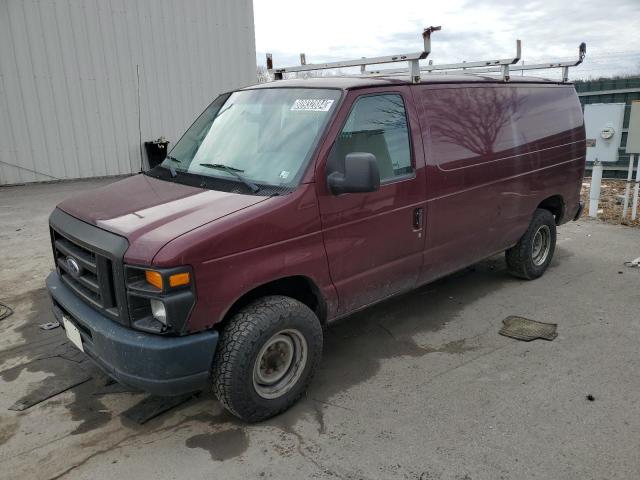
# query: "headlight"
[158,311]
[160,300]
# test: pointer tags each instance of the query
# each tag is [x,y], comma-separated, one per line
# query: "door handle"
[418,218]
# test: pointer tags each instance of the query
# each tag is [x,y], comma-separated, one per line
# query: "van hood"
[149,212]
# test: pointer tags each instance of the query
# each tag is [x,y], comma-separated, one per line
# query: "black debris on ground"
[152,406]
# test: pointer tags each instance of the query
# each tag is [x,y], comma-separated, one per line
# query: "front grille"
[95,281]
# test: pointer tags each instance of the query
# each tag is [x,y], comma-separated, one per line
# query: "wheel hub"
[276,359]
[541,245]
[280,363]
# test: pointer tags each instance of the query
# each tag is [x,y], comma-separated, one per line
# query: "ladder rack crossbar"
[411,58]
[478,67]
[502,64]
[537,66]
[544,66]
[404,57]
[481,63]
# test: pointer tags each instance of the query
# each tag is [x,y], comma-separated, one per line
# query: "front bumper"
[156,364]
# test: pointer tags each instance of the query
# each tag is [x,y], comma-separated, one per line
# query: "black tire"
[522,260]
[243,339]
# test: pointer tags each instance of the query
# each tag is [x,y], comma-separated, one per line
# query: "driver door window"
[377,124]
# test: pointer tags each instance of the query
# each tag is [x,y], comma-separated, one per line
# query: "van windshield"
[257,137]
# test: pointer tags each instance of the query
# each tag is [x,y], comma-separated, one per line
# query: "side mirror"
[360,175]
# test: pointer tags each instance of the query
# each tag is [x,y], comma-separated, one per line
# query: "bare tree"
[474,118]
[391,113]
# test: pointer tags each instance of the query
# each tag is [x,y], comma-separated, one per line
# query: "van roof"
[346,82]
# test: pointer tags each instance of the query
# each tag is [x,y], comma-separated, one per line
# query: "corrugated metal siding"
[68,83]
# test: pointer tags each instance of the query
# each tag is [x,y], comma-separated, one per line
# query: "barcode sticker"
[311,105]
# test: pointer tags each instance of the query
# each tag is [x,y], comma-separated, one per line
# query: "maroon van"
[290,204]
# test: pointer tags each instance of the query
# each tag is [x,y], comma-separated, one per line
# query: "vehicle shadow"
[354,350]
[356,347]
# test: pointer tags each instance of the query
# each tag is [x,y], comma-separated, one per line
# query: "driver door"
[375,241]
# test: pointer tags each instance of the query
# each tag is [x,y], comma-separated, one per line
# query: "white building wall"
[69,88]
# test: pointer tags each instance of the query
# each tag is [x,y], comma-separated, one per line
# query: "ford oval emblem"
[73,266]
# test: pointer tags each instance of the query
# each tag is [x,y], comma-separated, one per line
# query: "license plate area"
[73,333]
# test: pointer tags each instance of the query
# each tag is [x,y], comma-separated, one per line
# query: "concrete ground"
[419,387]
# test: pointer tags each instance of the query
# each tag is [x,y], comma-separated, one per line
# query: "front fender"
[222,282]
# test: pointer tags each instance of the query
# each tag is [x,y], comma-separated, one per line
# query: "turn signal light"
[179,279]
[154,278]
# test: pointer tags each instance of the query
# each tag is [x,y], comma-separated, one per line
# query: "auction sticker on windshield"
[311,105]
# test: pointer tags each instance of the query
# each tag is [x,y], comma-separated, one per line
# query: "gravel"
[611,202]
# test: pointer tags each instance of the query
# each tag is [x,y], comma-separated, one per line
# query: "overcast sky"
[471,30]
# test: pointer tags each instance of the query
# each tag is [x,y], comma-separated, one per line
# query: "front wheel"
[266,357]
[531,256]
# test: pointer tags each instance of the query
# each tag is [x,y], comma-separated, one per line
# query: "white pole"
[627,188]
[634,210]
[594,192]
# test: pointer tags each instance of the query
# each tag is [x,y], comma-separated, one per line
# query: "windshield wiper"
[173,158]
[233,171]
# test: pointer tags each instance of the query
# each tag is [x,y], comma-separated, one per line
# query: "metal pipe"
[426,37]
[505,73]
[634,208]
[594,191]
[627,188]
[564,65]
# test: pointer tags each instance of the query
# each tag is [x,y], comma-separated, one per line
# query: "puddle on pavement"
[229,438]
[87,409]
[65,375]
[222,445]
[36,343]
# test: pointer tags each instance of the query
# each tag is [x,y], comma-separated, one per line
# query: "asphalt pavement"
[419,387]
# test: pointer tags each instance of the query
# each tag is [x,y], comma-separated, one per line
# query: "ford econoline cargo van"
[290,204]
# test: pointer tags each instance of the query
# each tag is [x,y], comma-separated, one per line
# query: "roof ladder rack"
[563,65]
[501,64]
[411,58]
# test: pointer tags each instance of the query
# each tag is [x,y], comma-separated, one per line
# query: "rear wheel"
[266,357]
[531,256]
